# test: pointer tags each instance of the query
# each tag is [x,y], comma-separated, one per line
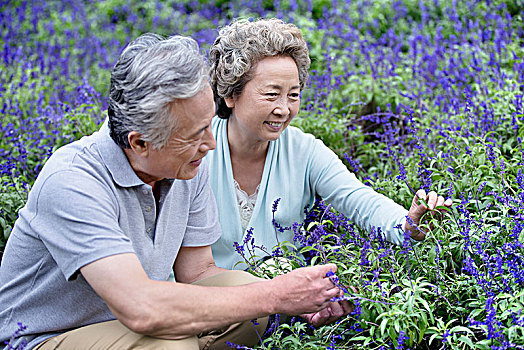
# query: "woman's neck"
[243,148]
[247,159]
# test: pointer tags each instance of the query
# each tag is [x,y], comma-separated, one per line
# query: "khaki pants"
[114,335]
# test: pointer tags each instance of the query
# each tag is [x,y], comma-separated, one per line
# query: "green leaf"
[311,225]
[433,337]
[466,340]
[461,329]
[383,325]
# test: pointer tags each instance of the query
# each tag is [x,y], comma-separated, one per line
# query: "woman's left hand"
[418,208]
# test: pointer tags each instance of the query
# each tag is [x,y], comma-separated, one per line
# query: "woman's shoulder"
[294,135]
[296,139]
[217,121]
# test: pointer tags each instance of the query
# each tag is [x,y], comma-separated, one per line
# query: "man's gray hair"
[151,73]
[242,44]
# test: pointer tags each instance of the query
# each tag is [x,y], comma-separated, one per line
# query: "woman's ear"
[139,146]
[230,102]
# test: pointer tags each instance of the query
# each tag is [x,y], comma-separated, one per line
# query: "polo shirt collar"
[115,159]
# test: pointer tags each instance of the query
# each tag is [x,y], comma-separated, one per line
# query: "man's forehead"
[195,112]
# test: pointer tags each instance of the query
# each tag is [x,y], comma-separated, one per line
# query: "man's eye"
[202,132]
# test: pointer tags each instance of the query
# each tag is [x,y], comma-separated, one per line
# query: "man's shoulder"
[77,166]
[73,157]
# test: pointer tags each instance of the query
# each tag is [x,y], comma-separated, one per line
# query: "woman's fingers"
[421,204]
[432,199]
[421,194]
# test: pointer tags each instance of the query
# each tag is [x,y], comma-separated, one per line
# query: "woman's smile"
[267,104]
[276,126]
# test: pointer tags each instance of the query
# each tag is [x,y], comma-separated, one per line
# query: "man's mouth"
[196,162]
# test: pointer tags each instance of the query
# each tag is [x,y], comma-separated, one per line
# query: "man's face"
[189,142]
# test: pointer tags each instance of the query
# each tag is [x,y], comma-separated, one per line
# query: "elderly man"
[111,215]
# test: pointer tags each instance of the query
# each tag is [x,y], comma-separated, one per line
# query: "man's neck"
[134,162]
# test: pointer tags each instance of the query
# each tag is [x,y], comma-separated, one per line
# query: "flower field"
[410,94]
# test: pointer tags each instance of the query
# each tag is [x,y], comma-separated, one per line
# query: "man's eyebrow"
[199,131]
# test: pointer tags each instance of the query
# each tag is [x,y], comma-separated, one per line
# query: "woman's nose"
[283,107]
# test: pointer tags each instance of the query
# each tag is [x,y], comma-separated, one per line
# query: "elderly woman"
[258,70]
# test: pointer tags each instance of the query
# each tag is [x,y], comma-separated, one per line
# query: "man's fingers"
[347,306]
[324,269]
[330,274]
[328,315]
[320,318]
[337,311]
[331,312]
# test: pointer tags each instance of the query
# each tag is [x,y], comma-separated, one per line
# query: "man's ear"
[139,146]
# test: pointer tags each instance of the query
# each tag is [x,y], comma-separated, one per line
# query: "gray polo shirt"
[88,204]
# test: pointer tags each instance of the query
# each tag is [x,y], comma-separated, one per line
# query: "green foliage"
[13,196]
[32,128]
[397,138]
[429,295]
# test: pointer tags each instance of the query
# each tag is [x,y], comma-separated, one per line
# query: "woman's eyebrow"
[277,86]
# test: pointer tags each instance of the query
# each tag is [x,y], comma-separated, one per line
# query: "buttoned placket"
[149,211]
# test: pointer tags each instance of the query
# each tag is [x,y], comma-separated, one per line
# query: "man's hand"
[306,291]
[330,314]
[418,209]
[333,312]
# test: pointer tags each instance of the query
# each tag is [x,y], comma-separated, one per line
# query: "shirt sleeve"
[331,179]
[203,227]
[77,220]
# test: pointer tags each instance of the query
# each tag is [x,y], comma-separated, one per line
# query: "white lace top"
[246,204]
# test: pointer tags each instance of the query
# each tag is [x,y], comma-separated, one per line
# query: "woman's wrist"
[414,231]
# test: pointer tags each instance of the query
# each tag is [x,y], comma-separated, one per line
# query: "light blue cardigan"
[297,166]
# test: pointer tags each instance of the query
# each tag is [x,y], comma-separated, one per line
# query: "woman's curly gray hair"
[242,44]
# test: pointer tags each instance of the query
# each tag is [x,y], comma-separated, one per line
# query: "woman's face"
[268,102]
